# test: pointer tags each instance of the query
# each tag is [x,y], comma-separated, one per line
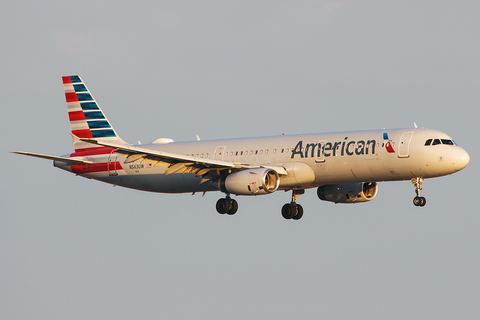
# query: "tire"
[233,207]
[416,201]
[423,202]
[222,206]
[299,214]
[288,211]
[419,201]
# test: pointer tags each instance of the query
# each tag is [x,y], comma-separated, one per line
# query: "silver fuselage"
[310,160]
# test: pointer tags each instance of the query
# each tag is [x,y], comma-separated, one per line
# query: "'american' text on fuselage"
[333,149]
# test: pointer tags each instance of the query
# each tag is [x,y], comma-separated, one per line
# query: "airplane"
[345,167]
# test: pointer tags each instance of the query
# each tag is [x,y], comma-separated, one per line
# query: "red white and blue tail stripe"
[86,118]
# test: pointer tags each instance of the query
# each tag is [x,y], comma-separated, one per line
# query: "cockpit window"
[440,141]
[448,142]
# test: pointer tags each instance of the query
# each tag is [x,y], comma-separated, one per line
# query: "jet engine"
[348,192]
[251,182]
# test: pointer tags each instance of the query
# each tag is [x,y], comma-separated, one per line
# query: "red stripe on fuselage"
[91,151]
[97,167]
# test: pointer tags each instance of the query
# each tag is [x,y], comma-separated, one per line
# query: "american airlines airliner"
[344,166]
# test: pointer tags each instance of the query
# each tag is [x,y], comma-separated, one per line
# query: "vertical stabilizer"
[86,118]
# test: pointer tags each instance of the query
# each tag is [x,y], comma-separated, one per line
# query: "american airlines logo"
[388,145]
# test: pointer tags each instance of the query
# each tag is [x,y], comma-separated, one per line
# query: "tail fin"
[86,118]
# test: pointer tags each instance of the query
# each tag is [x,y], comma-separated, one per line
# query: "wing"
[208,169]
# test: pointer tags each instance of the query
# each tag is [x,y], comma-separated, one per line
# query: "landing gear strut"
[227,205]
[418,201]
[293,210]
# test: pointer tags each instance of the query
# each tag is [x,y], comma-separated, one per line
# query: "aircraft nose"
[460,159]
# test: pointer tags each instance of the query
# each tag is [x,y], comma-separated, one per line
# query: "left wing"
[209,169]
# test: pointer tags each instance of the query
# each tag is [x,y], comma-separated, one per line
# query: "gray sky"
[71,248]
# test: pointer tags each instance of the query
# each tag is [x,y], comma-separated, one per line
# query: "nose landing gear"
[418,201]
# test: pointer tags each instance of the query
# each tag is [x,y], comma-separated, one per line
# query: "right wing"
[54,158]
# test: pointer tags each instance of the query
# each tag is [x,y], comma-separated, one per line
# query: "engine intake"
[348,192]
[251,182]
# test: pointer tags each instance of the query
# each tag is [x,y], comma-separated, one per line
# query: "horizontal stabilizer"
[55,158]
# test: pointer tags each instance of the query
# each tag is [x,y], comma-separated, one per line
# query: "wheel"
[419,201]
[222,206]
[288,211]
[233,207]
[416,201]
[423,202]
[299,211]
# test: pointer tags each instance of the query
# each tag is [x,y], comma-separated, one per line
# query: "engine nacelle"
[251,182]
[348,192]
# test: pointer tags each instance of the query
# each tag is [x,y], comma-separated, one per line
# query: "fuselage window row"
[241,153]
[429,142]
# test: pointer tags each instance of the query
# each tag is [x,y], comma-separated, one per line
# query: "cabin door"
[404,147]
[112,164]
[219,153]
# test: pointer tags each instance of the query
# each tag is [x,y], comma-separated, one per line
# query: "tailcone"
[63,165]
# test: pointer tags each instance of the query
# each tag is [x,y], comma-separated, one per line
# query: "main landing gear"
[290,210]
[418,201]
[227,205]
[293,210]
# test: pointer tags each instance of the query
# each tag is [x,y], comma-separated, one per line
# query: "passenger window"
[447,142]
[428,142]
[435,142]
